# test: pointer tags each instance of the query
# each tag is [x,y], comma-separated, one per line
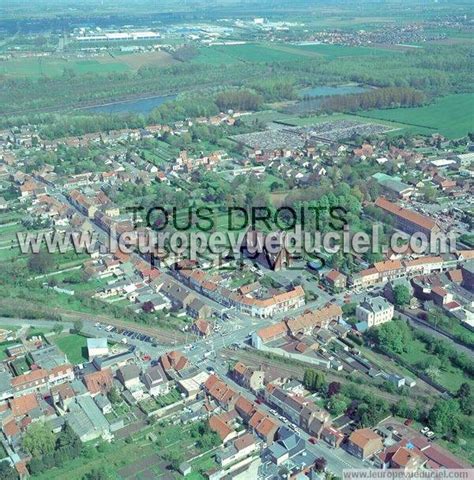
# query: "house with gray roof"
[374,311]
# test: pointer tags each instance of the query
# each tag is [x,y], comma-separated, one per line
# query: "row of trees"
[377,98]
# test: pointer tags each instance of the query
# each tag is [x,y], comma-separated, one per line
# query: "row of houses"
[302,324]
[386,271]
[276,302]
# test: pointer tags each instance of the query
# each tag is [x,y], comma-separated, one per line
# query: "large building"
[374,311]
[407,220]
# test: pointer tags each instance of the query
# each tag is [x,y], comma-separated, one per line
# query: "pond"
[311,98]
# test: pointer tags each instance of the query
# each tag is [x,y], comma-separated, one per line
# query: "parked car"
[424,430]
[408,421]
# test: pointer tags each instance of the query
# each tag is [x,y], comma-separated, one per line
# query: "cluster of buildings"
[262,302]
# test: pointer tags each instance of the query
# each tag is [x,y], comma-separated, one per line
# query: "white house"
[97,347]
[374,311]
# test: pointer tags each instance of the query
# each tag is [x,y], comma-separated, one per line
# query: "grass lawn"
[20,366]
[450,376]
[9,253]
[73,281]
[242,278]
[200,465]
[451,115]
[74,346]
[3,349]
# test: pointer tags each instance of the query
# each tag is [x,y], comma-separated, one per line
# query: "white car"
[424,430]
[429,434]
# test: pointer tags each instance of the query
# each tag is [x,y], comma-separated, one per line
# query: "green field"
[74,346]
[278,52]
[335,51]
[452,116]
[55,65]
[450,376]
[225,54]
[52,67]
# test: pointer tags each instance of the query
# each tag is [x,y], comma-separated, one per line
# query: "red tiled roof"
[99,381]
[362,436]
[11,428]
[411,216]
[22,405]
[273,331]
[34,376]
[217,425]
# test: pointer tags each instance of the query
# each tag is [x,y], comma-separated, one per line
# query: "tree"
[465,398]
[445,417]
[58,328]
[338,404]
[39,440]
[41,262]
[320,464]
[175,458]
[68,439]
[97,474]
[78,325]
[7,472]
[394,336]
[148,307]
[401,295]
[113,396]
[314,379]
[429,193]
[433,372]
[333,388]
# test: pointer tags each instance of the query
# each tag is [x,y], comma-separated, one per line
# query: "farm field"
[451,115]
[55,66]
[280,52]
[250,52]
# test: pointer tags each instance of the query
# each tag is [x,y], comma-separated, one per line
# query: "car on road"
[312,440]
[258,401]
